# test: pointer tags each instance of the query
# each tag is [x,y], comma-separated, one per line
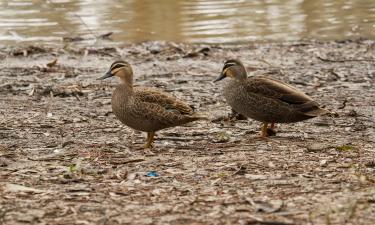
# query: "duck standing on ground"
[265,99]
[146,109]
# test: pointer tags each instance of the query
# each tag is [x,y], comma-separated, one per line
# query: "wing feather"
[164,100]
[156,113]
[276,89]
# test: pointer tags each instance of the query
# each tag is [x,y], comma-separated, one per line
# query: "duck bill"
[106,75]
[222,76]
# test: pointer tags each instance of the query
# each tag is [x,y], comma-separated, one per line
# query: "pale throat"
[125,78]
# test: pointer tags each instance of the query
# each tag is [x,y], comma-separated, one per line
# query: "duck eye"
[115,70]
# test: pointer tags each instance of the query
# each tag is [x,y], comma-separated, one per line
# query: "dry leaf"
[53,63]
[21,188]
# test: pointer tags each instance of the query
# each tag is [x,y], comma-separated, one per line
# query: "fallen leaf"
[21,188]
[106,35]
[53,63]
[344,148]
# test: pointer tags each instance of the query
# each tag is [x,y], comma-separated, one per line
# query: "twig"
[343,104]
[345,60]
[127,161]
[240,171]
[268,222]
[106,35]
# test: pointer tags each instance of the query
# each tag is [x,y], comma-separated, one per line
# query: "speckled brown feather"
[167,101]
[273,88]
[149,110]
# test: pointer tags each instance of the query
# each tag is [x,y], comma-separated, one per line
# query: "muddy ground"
[66,159]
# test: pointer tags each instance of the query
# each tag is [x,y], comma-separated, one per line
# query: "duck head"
[120,69]
[233,68]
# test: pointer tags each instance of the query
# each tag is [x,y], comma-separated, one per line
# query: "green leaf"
[344,148]
[72,168]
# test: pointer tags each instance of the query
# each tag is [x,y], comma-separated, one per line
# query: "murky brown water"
[212,21]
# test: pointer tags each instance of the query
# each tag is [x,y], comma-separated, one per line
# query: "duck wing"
[160,110]
[278,90]
[275,89]
[164,100]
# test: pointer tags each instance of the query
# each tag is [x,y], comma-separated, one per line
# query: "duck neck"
[241,73]
[127,81]
[127,84]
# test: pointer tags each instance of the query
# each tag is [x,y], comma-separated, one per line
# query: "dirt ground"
[66,159]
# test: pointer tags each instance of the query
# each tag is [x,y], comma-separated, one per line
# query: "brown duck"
[145,109]
[265,99]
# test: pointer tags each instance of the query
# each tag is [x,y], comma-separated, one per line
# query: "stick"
[345,60]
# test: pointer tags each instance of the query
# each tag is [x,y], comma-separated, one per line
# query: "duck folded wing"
[275,89]
[168,102]
[156,114]
[278,90]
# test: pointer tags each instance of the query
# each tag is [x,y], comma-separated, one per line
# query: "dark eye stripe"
[229,64]
[117,65]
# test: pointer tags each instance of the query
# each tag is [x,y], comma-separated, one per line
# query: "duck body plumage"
[268,100]
[148,109]
[143,108]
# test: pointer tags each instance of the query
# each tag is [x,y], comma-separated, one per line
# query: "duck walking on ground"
[265,99]
[146,109]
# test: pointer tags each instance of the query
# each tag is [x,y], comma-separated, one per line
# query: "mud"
[65,159]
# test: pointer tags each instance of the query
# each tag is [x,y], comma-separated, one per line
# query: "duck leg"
[264,132]
[150,139]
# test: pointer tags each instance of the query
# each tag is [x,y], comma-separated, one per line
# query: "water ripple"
[212,21]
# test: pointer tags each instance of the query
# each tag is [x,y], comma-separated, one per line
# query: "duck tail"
[319,112]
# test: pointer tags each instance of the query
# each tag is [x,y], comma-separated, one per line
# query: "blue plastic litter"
[152,174]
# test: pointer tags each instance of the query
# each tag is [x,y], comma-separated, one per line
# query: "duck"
[266,99]
[143,108]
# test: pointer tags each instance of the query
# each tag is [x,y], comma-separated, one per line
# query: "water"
[197,21]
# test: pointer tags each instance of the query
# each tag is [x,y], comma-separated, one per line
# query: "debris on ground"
[66,159]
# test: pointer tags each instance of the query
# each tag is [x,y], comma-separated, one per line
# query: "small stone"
[271,165]
[352,113]
[323,163]
[76,120]
[316,147]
